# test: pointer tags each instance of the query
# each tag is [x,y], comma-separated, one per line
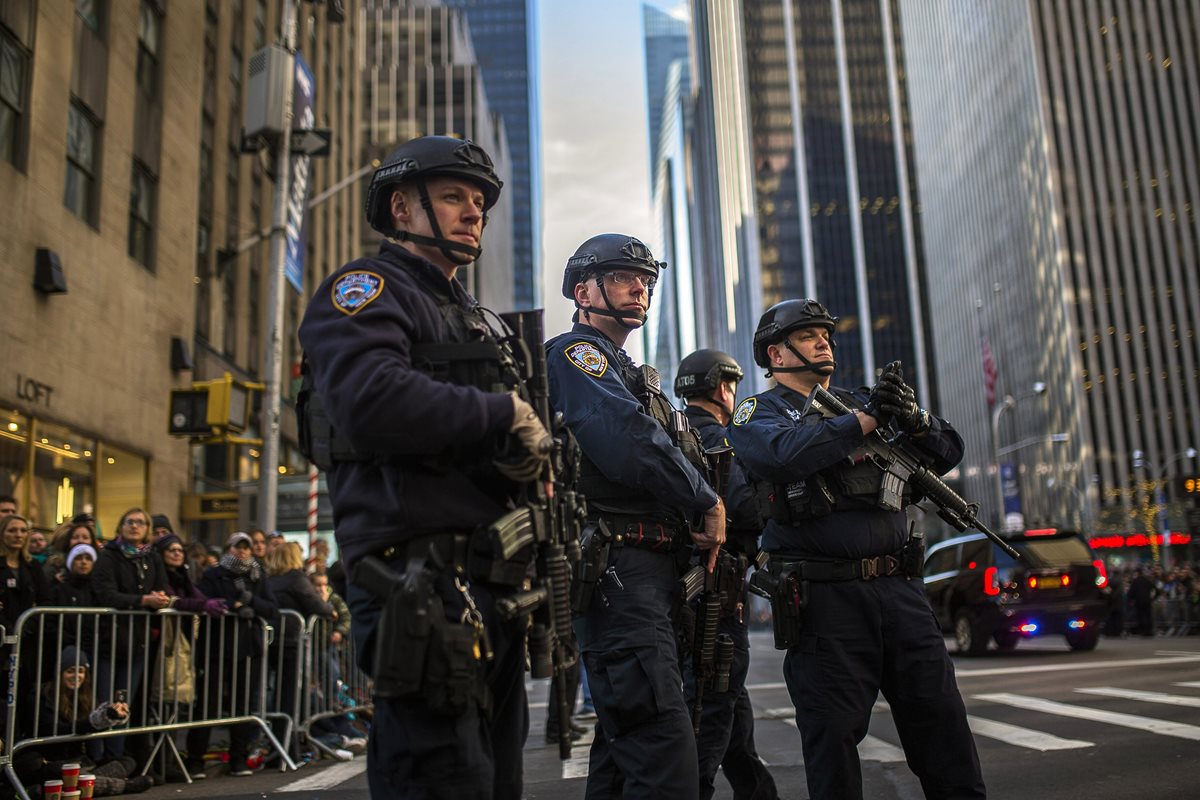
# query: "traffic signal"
[211,408]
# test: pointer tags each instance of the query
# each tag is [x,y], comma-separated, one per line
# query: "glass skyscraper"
[505,36]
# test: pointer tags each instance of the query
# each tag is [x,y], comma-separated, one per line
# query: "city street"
[1120,722]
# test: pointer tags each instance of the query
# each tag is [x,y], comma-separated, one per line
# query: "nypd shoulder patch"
[745,411]
[588,358]
[354,290]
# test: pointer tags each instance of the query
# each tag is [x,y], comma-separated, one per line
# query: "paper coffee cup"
[52,790]
[73,794]
[70,776]
[87,785]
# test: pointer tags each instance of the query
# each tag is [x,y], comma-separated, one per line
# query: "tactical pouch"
[594,544]
[789,598]
[402,637]
[912,557]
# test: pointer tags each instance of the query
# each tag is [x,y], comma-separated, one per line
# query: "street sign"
[210,505]
[313,143]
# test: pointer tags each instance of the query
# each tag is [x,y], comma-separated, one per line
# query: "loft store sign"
[34,391]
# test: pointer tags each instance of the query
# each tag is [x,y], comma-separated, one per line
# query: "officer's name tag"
[588,358]
[354,290]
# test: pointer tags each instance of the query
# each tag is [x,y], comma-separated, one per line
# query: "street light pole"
[1009,402]
[268,477]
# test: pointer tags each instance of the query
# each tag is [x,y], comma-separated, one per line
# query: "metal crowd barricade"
[128,659]
[334,684]
[286,669]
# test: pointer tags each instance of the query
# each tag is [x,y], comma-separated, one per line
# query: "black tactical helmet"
[782,318]
[612,250]
[703,371]
[429,157]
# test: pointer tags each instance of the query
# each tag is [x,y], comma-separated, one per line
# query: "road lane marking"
[1149,697]
[1188,684]
[874,749]
[327,778]
[1022,737]
[1079,665]
[1161,727]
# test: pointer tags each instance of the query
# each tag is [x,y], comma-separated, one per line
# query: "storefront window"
[63,474]
[121,477]
[14,455]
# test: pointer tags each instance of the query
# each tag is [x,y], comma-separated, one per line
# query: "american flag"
[989,371]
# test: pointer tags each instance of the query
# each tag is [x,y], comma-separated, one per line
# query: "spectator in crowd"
[197,556]
[238,643]
[1142,593]
[37,546]
[211,559]
[8,505]
[128,575]
[160,526]
[65,537]
[184,594]
[87,518]
[258,545]
[75,591]
[292,590]
[275,540]
[66,709]
[337,577]
[332,638]
[22,586]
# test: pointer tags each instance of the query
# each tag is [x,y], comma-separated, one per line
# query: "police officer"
[707,380]
[867,626]
[424,446]
[646,500]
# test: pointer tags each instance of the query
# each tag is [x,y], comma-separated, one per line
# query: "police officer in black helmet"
[707,380]
[867,626]
[646,502]
[424,446]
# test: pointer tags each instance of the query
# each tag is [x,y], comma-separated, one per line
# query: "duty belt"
[466,554]
[864,569]
[647,534]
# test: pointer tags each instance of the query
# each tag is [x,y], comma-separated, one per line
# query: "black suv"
[979,592]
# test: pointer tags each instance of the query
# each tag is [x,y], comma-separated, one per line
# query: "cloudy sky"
[595,152]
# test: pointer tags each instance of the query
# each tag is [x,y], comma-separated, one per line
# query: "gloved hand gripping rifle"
[901,465]
[557,513]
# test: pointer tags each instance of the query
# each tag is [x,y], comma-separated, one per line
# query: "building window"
[141,215]
[229,293]
[147,58]
[80,192]
[91,12]
[14,65]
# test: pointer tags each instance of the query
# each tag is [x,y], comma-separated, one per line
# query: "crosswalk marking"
[874,749]
[327,778]
[1024,669]
[1022,737]
[1188,684]
[1149,697]
[1161,727]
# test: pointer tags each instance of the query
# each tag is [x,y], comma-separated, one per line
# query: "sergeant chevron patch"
[354,290]
[745,411]
[588,358]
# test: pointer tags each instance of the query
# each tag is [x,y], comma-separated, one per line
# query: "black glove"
[893,399]
[245,612]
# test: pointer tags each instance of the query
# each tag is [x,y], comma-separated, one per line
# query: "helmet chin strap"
[620,316]
[448,247]
[819,367]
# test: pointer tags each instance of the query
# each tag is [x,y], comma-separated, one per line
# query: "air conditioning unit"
[271,75]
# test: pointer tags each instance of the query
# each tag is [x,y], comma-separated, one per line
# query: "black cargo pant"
[417,754]
[644,746]
[860,638]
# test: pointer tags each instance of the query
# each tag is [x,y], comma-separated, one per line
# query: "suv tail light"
[1101,573]
[991,585]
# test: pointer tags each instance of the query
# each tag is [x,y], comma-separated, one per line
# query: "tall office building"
[726,293]
[420,77]
[828,126]
[505,36]
[665,42]
[1058,160]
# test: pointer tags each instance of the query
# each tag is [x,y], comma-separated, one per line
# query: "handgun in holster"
[594,544]
[787,591]
[409,606]
[912,557]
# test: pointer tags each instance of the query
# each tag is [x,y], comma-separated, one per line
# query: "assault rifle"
[556,512]
[900,466]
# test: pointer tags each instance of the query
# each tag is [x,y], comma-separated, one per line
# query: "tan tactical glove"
[534,439]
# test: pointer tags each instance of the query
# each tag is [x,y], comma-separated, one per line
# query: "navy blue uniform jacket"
[358,334]
[623,441]
[741,506]
[775,446]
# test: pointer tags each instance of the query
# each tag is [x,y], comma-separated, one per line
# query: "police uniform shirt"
[587,384]
[779,444]
[358,334]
